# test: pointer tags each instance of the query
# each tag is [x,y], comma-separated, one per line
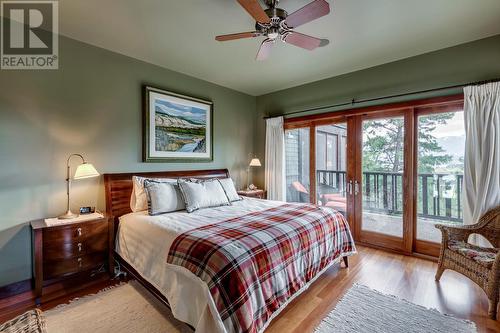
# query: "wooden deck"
[393,225]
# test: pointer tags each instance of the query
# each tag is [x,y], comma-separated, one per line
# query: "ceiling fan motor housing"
[277,26]
[271,3]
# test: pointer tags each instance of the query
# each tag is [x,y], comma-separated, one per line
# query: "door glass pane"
[382,179]
[297,165]
[441,146]
[343,153]
[321,150]
[331,152]
[330,166]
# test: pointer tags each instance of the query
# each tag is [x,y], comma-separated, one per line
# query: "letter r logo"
[28,27]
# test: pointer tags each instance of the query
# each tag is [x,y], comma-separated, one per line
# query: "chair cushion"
[482,255]
[334,197]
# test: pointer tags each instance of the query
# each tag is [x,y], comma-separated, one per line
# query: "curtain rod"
[353,101]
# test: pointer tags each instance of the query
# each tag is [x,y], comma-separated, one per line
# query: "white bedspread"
[144,241]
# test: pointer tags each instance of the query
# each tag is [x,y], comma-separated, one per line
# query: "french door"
[439,171]
[393,171]
[334,166]
[381,184]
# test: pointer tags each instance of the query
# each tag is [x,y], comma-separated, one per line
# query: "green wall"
[91,105]
[475,61]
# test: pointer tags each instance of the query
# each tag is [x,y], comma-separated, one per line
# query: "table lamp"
[84,170]
[255,162]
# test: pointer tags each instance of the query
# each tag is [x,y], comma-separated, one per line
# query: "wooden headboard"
[118,186]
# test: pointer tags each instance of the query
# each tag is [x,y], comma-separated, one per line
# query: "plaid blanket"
[254,263]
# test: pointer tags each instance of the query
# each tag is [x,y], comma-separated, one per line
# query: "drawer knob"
[79,247]
[80,262]
[79,231]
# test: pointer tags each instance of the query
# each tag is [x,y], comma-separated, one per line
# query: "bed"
[231,297]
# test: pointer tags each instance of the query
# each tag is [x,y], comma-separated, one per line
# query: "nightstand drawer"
[73,265]
[60,251]
[74,233]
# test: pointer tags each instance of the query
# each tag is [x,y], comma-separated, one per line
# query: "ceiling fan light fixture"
[273,35]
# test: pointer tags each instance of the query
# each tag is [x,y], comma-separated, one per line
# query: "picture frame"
[176,128]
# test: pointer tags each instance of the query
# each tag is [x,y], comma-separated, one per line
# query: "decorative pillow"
[203,194]
[230,189]
[138,199]
[163,197]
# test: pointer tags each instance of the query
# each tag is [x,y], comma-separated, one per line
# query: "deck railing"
[439,195]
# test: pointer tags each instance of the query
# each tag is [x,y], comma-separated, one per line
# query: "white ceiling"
[179,35]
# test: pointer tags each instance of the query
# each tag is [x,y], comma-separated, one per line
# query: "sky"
[454,127]
[181,110]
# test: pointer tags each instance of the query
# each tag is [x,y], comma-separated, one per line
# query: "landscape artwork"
[178,128]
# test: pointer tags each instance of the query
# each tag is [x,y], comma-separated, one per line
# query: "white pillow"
[139,199]
[163,197]
[203,194]
[230,189]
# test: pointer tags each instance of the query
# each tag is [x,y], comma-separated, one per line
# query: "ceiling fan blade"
[240,35]
[308,13]
[303,41]
[265,50]
[255,10]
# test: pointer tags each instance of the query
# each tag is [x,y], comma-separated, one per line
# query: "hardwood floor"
[58,293]
[410,278]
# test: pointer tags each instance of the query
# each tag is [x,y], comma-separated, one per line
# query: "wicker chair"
[481,265]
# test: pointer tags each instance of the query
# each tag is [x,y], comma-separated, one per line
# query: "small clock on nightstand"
[259,194]
[64,250]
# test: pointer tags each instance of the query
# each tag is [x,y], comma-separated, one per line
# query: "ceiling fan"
[276,24]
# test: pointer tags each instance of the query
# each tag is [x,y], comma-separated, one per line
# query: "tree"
[383,146]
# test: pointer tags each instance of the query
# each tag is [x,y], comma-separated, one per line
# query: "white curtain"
[275,159]
[482,151]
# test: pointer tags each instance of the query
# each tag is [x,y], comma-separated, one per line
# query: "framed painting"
[177,128]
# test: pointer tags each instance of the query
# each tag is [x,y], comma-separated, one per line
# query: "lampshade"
[85,170]
[255,162]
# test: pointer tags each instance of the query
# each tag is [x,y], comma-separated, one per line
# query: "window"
[393,170]
[330,166]
[441,147]
[382,175]
[297,165]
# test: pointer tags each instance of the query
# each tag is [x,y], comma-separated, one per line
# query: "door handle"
[349,187]
[356,187]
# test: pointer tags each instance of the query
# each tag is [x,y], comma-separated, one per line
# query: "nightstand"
[66,250]
[259,194]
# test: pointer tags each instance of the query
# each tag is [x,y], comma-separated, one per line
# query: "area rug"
[364,310]
[126,308]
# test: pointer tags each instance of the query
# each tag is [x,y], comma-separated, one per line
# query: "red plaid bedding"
[254,263]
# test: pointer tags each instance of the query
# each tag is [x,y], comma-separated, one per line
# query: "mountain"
[195,118]
[166,120]
[452,145]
